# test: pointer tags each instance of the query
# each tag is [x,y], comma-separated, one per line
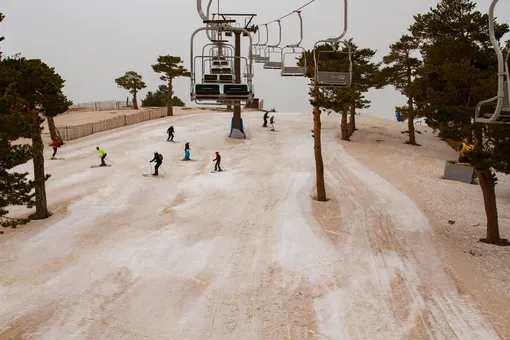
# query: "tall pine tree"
[400,72]
[15,188]
[460,70]
[171,69]
[38,91]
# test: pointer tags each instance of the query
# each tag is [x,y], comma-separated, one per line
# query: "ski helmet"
[97,147]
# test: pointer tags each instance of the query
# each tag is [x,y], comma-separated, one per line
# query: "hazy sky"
[90,43]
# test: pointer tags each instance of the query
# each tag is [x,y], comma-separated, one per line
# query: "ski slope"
[243,254]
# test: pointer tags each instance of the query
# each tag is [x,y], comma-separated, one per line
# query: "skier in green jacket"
[103,155]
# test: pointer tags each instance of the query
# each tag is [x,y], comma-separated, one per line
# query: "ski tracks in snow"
[237,256]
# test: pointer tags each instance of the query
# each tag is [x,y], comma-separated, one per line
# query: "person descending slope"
[217,166]
[271,121]
[186,152]
[266,115]
[103,155]
[54,144]
[158,158]
[170,132]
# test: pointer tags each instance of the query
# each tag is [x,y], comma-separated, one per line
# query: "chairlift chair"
[271,49]
[501,114]
[224,91]
[260,57]
[294,71]
[334,78]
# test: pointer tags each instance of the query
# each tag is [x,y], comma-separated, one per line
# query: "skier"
[55,146]
[170,132]
[186,152]
[271,121]
[158,158]
[103,155]
[266,115]
[218,161]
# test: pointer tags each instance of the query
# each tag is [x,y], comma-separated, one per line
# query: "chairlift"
[501,114]
[334,78]
[272,49]
[224,91]
[218,57]
[294,71]
[255,51]
[261,56]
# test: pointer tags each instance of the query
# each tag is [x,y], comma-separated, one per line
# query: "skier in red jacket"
[218,161]
[55,146]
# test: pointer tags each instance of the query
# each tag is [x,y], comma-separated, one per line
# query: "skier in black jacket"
[158,158]
[266,115]
[170,132]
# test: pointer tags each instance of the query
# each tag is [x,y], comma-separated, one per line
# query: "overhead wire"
[289,14]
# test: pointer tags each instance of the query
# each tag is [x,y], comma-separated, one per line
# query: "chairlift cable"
[289,14]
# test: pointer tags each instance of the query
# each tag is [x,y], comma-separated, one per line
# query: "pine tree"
[38,90]
[160,98]
[15,188]
[459,70]
[401,70]
[132,82]
[169,66]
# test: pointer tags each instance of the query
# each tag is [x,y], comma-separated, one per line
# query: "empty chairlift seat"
[210,78]
[236,90]
[220,63]
[226,78]
[293,71]
[333,78]
[221,70]
[205,91]
[273,65]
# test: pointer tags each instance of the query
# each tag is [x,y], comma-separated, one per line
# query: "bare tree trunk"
[344,126]
[53,130]
[41,206]
[352,121]
[487,182]
[169,104]
[135,104]
[319,164]
[410,121]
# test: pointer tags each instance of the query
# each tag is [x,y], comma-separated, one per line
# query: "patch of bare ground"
[329,217]
[26,326]
[283,305]
[455,211]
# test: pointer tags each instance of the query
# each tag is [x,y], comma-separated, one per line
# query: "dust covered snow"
[242,254]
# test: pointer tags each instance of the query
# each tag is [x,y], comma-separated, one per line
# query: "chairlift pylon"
[333,78]
[501,114]
[294,71]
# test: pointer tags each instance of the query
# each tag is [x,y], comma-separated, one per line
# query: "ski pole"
[163,170]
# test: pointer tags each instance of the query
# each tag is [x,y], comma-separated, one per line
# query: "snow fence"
[70,132]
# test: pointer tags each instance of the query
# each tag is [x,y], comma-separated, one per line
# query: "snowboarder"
[54,144]
[103,155]
[266,115]
[186,152]
[170,132]
[158,158]
[218,161]
[271,121]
